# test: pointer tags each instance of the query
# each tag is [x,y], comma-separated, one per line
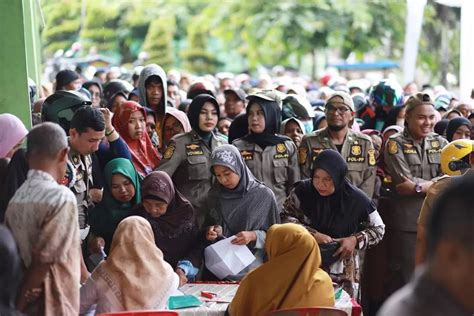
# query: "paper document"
[224,258]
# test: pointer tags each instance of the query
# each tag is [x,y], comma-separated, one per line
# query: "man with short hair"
[444,284]
[86,131]
[356,148]
[42,216]
[234,102]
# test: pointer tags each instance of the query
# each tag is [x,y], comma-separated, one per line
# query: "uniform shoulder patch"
[392,147]
[169,151]
[302,155]
[371,154]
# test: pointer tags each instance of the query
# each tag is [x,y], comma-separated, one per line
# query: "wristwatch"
[418,188]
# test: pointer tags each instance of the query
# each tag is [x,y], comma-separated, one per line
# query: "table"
[226,291]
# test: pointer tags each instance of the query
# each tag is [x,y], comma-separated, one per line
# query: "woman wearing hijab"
[294,129]
[319,120]
[130,122]
[134,276]
[440,127]
[12,134]
[271,158]
[458,128]
[173,222]
[10,272]
[293,256]
[95,89]
[333,209]
[121,194]
[242,205]
[175,122]
[187,158]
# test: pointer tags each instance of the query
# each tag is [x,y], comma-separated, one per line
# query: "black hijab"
[272,114]
[440,127]
[339,214]
[239,127]
[194,110]
[454,124]
[10,272]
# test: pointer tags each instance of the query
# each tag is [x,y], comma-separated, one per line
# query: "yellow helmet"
[456,156]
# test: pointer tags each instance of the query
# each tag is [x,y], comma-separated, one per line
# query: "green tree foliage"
[100,26]
[62,25]
[159,41]
[197,58]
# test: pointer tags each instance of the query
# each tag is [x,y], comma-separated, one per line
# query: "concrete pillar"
[20,56]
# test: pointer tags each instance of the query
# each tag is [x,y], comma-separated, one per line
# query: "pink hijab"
[12,131]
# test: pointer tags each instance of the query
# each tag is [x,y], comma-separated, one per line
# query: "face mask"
[308,126]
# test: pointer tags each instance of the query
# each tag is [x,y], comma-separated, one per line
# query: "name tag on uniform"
[282,151]
[194,150]
[434,151]
[247,154]
[409,149]
[355,154]
[316,152]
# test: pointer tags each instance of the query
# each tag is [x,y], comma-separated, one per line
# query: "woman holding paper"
[243,206]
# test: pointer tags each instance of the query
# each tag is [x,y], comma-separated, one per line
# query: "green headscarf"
[105,217]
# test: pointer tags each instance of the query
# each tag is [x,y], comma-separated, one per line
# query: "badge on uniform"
[194,150]
[316,152]
[392,147]
[356,153]
[372,160]
[434,144]
[409,149]
[282,152]
[69,178]
[247,154]
[302,155]
[169,151]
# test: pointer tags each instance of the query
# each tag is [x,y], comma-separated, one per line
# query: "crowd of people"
[123,183]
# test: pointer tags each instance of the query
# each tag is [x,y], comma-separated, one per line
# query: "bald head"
[45,141]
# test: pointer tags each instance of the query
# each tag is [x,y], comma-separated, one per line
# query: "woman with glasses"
[356,148]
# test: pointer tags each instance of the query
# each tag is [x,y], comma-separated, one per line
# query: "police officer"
[412,158]
[356,148]
[272,158]
[187,157]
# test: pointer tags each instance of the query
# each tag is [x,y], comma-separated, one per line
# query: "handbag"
[327,251]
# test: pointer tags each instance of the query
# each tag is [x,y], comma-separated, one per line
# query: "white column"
[414,21]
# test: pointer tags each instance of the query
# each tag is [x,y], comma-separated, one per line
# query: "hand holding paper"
[225,258]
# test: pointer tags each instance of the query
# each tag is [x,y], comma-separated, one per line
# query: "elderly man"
[42,216]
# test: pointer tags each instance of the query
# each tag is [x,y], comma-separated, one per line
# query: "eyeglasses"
[341,110]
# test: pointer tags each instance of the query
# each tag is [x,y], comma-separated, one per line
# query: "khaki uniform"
[357,150]
[420,163]
[187,160]
[276,166]
[83,170]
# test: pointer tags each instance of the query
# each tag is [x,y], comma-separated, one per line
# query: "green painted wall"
[20,55]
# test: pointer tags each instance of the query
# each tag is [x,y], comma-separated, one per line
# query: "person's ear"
[62,155]
[72,132]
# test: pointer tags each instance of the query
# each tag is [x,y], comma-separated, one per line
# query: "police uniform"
[276,166]
[357,150]
[82,166]
[420,162]
[187,160]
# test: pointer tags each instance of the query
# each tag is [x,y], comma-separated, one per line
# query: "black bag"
[327,250]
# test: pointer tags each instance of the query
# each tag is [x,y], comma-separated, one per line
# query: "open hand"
[244,238]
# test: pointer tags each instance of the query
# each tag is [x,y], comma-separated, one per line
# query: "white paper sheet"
[224,258]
